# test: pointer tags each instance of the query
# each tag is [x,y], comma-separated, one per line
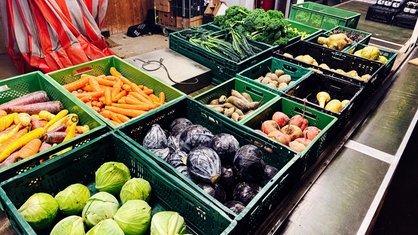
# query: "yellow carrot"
[11,133]
[23,118]
[57,117]
[7,120]
[46,115]
[2,113]
[35,134]
[67,120]
[71,132]
[12,139]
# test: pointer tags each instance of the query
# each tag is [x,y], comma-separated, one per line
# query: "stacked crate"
[180,14]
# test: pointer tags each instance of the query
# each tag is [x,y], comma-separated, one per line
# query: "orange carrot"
[94,84]
[127,112]
[105,82]
[155,99]
[126,87]
[130,99]
[122,100]
[29,149]
[116,88]
[87,88]
[108,96]
[142,97]
[72,86]
[119,96]
[142,106]
[91,94]
[114,117]
[161,96]
[105,113]
[122,118]
[147,90]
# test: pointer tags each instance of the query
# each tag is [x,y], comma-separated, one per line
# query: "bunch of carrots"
[115,97]
[27,128]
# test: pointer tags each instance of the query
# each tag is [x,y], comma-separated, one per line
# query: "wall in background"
[122,14]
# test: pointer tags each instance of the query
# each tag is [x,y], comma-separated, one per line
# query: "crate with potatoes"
[338,64]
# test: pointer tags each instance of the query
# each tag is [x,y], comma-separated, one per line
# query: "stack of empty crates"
[179,14]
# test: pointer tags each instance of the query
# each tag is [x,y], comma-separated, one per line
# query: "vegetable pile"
[121,206]
[115,97]
[268,27]
[231,44]
[236,106]
[294,132]
[277,80]
[230,173]
[32,124]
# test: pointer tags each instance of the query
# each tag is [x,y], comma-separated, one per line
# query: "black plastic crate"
[405,20]
[335,60]
[191,8]
[381,14]
[336,88]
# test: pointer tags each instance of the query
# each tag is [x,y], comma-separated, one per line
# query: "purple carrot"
[44,146]
[55,137]
[9,160]
[34,97]
[50,106]
[35,123]
[59,128]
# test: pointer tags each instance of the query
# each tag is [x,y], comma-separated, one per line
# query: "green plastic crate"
[103,65]
[323,121]
[322,16]
[309,30]
[270,65]
[288,163]
[256,93]
[337,89]
[168,193]
[223,68]
[390,55]
[18,86]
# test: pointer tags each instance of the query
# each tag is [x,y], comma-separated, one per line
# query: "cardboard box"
[166,19]
[213,7]
[184,23]
[162,5]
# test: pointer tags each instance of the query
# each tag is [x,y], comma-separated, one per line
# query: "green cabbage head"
[111,176]
[73,198]
[167,223]
[135,188]
[134,217]
[39,210]
[100,206]
[107,226]
[70,225]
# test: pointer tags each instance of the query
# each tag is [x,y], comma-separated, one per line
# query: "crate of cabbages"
[274,74]
[300,128]
[235,99]
[39,121]
[225,52]
[116,90]
[107,187]
[334,63]
[384,56]
[238,171]
[331,95]
[323,16]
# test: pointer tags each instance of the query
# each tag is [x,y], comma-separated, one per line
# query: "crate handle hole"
[4,88]
[251,90]
[83,70]
[307,113]
[289,68]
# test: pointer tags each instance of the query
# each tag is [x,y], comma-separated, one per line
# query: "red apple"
[299,121]
[269,126]
[281,118]
[280,137]
[311,132]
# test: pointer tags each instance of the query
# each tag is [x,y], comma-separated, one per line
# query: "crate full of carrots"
[40,121]
[116,90]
